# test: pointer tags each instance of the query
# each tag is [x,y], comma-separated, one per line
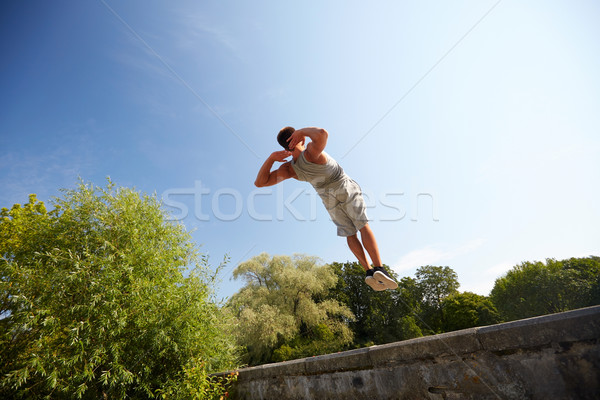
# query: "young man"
[341,196]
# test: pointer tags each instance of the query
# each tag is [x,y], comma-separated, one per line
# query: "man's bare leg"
[358,251]
[370,244]
[380,275]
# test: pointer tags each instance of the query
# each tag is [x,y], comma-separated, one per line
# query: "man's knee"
[353,239]
[365,228]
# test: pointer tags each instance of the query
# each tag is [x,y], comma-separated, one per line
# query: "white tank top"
[323,177]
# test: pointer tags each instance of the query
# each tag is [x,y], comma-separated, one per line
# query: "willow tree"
[283,312]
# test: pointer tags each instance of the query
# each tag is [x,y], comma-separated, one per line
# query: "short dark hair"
[284,135]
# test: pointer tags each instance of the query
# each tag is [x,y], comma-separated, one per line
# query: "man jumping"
[341,195]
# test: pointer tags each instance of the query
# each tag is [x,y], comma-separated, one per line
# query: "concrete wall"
[551,357]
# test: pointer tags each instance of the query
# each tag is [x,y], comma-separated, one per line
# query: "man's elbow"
[260,184]
[324,133]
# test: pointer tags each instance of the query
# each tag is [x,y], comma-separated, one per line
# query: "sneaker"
[375,284]
[382,276]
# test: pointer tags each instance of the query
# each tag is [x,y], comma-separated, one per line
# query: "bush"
[97,300]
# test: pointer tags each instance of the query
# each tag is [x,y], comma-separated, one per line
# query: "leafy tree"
[283,309]
[537,288]
[380,317]
[96,303]
[583,275]
[410,296]
[435,284]
[467,310]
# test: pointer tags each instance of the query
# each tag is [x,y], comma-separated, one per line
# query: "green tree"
[538,288]
[435,284]
[467,310]
[282,310]
[380,317]
[97,301]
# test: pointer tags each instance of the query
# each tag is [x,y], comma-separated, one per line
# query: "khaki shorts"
[346,207]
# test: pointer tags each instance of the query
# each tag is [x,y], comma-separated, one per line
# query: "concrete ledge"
[432,347]
[554,356]
[338,362]
[569,326]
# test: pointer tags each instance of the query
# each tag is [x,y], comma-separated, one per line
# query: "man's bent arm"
[267,178]
[318,139]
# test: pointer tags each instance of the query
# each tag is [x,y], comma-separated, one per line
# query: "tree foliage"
[95,301]
[434,284]
[429,303]
[282,310]
[538,288]
[380,317]
[467,310]
[278,309]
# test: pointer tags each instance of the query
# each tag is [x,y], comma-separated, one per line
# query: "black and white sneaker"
[371,281]
[381,276]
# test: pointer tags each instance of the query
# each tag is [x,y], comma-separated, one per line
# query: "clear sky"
[473,127]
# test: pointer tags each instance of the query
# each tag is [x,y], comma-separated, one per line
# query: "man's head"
[284,135]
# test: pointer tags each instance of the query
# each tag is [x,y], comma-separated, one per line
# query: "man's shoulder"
[320,158]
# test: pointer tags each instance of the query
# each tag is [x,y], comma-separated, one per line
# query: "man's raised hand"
[295,138]
[281,155]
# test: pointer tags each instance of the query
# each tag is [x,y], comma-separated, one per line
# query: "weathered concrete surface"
[550,357]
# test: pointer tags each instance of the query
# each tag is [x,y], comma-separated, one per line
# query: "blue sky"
[472,126]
